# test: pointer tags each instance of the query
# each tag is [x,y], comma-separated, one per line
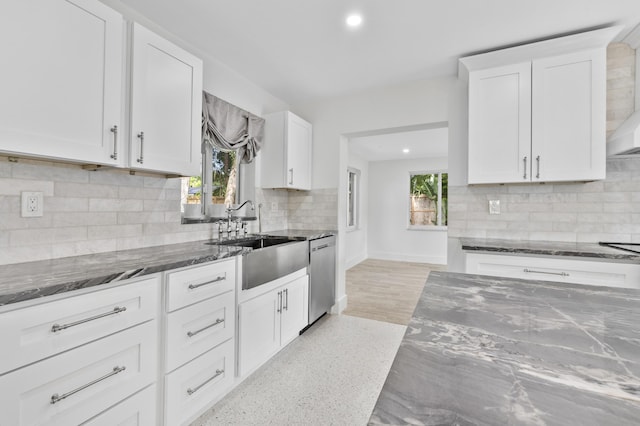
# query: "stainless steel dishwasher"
[322,276]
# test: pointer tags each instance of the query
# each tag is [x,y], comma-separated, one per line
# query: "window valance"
[227,128]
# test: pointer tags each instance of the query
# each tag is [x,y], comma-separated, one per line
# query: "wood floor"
[385,290]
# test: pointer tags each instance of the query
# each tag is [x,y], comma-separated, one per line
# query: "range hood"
[626,139]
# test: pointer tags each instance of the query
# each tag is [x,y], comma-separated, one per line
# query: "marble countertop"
[306,234]
[30,280]
[496,351]
[548,248]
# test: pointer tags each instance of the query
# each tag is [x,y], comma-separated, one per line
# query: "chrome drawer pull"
[562,274]
[191,391]
[114,130]
[141,137]
[538,161]
[58,327]
[57,398]
[218,279]
[193,333]
[525,167]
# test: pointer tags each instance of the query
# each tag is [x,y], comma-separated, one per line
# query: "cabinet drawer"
[555,269]
[198,328]
[192,285]
[37,332]
[74,386]
[194,387]
[137,410]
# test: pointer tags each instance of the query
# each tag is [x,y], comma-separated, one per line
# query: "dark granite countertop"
[496,351]
[548,248]
[31,280]
[306,234]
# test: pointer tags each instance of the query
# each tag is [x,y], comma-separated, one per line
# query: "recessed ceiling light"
[406,150]
[354,20]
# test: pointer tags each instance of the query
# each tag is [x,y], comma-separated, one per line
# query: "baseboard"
[339,306]
[354,261]
[401,257]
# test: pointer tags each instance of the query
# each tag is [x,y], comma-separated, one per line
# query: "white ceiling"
[301,51]
[421,144]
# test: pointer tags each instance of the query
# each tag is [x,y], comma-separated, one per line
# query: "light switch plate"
[494,206]
[32,204]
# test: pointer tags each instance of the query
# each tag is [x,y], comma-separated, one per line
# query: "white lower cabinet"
[74,386]
[193,388]
[569,270]
[199,339]
[137,410]
[270,321]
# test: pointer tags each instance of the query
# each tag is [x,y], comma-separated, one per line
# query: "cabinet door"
[259,330]
[166,106]
[61,80]
[500,124]
[298,153]
[137,410]
[74,386]
[569,116]
[294,309]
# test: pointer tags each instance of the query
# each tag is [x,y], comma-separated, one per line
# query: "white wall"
[356,239]
[389,237]
[336,119]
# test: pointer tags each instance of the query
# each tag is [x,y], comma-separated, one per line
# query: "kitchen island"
[492,351]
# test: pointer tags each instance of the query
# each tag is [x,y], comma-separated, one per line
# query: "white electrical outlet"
[494,206]
[274,205]
[32,204]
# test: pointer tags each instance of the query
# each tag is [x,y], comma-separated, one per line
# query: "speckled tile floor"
[331,375]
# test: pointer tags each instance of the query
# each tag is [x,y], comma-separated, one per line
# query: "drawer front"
[198,328]
[189,286]
[560,270]
[195,387]
[40,331]
[75,386]
[137,410]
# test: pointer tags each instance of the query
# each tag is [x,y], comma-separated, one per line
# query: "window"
[353,182]
[428,199]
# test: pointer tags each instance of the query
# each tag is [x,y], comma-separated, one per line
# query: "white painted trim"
[633,38]
[355,260]
[536,50]
[401,257]
[339,306]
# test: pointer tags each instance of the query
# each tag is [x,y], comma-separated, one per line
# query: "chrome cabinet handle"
[114,130]
[191,391]
[525,167]
[538,161]
[279,302]
[532,271]
[141,137]
[286,299]
[57,398]
[57,327]
[290,176]
[217,279]
[193,333]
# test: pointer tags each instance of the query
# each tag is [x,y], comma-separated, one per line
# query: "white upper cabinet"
[537,113]
[61,80]
[500,124]
[286,152]
[569,117]
[166,106]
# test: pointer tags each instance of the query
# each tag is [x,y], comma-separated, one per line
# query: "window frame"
[353,197]
[439,226]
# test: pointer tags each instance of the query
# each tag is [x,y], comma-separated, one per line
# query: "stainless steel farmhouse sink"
[271,257]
